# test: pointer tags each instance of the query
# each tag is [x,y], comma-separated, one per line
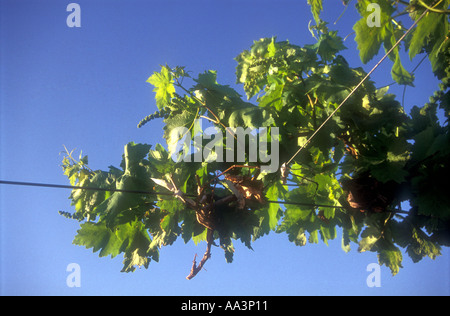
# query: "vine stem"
[197,268]
[69,154]
[433,7]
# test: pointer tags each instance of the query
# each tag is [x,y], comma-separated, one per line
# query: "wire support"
[73,187]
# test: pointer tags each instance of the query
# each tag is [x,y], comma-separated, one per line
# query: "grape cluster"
[164,113]
[75,216]
[441,97]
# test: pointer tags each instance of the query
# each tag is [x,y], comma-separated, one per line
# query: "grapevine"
[367,159]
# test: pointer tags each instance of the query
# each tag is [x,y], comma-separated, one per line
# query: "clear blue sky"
[85,88]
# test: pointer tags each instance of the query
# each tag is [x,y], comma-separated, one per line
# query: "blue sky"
[85,88]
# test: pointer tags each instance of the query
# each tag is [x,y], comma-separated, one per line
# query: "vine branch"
[433,7]
[196,268]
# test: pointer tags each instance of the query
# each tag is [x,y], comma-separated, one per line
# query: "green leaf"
[273,97]
[274,192]
[249,117]
[164,87]
[328,45]
[391,257]
[327,233]
[425,28]
[400,74]
[197,238]
[173,207]
[345,242]
[316,7]
[418,244]
[427,143]
[131,239]
[119,207]
[299,239]
[387,171]
[433,200]
[295,212]
[314,237]
[423,248]
[370,236]
[133,156]
[160,161]
[369,39]
[207,80]
[180,122]
[98,237]
[134,259]
[227,245]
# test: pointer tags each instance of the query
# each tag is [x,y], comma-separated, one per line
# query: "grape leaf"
[136,177]
[316,7]
[98,237]
[424,29]
[369,39]
[391,256]
[328,45]
[369,238]
[164,88]
[177,122]
[400,74]
[207,80]
[275,192]
[129,238]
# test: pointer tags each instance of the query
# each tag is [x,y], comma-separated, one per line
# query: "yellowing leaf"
[164,88]
[316,7]
[370,236]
